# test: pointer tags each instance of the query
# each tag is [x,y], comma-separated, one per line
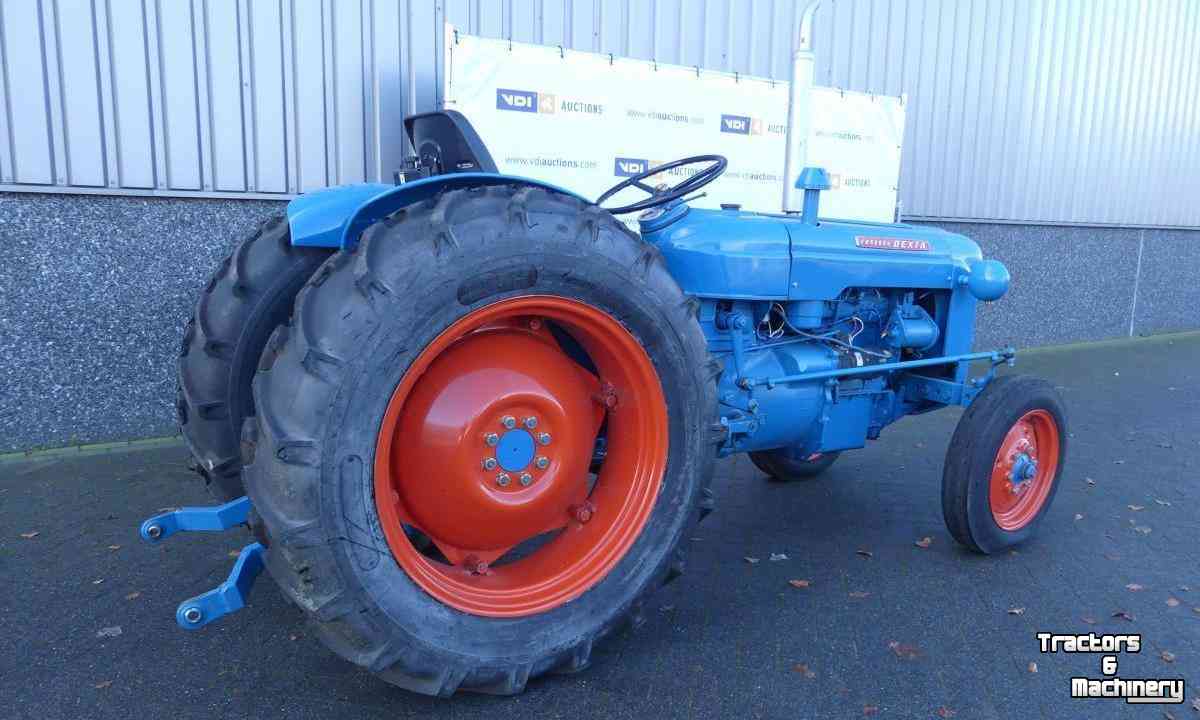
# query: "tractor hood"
[754,256]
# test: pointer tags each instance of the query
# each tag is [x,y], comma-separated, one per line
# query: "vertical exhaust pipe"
[798,99]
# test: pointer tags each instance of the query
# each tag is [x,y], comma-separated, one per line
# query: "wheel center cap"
[515,450]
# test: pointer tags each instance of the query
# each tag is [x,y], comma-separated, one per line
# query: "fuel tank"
[732,254]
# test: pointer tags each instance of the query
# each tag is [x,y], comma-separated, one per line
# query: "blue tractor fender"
[335,217]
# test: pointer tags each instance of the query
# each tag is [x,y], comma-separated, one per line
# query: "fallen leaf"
[234,553]
[1196,610]
[1168,715]
[1167,656]
[133,596]
[1172,602]
[859,594]
[97,582]
[1088,620]
[30,535]
[1196,704]
[1078,516]
[1013,552]
[1016,611]
[1089,481]
[1142,529]
[1118,462]
[870,710]
[1032,667]
[114,547]
[666,608]
[1184,588]
[1136,508]
[751,560]
[1165,445]
[103,684]
[864,553]
[109,632]
[1134,587]
[1123,615]
[908,652]
[945,712]
[776,557]
[1164,503]
[802,668]
[924,543]
[1110,556]
[799,583]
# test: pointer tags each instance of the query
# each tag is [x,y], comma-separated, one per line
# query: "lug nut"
[154,531]
[474,565]
[489,463]
[542,462]
[582,512]
[508,421]
[491,439]
[526,479]
[192,615]
[531,422]
[503,479]
[544,438]
[535,324]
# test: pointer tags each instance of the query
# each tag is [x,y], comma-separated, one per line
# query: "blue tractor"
[469,417]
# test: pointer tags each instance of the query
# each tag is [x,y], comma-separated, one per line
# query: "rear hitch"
[230,596]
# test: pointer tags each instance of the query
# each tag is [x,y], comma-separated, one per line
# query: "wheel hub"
[469,395]
[486,445]
[1024,470]
[515,450]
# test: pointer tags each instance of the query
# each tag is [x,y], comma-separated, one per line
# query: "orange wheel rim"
[485,450]
[1024,470]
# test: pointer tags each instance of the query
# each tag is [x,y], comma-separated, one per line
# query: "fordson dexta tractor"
[469,416]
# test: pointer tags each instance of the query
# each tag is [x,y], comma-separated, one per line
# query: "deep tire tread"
[252,288]
[298,391]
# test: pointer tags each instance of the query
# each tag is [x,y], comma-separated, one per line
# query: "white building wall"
[1039,111]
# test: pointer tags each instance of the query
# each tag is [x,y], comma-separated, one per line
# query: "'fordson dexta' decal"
[874,242]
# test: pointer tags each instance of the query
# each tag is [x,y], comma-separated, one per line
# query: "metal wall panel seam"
[52,47]
[108,105]
[154,85]
[1169,108]
[7,153]
[329,75]
[246,93]
[1133,101]
[206,171]
[287,60]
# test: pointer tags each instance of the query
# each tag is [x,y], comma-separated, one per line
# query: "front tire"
[1004,462]
[365,432]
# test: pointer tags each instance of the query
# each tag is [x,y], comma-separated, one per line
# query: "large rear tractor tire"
[1004,462]
[250,294]
[425,426]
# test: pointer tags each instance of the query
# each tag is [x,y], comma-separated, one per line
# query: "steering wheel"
[664,195]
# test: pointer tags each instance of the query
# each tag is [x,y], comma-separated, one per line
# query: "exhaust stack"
[798,99]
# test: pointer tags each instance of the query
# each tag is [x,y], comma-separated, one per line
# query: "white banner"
[586,120]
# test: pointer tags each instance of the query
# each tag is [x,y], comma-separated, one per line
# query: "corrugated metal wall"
[1071,111]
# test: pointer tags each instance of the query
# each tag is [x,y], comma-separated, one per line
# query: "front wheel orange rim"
[1024,470]
[481,472]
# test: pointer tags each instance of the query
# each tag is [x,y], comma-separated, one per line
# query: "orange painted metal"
[1016,502]
[498,363]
